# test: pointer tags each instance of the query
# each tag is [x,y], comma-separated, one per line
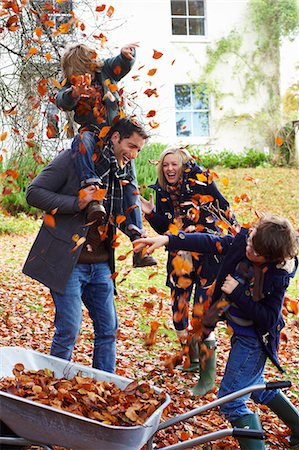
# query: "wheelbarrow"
[33,423]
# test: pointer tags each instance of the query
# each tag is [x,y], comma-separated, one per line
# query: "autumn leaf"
[157,54]
[100,8]
[151,113]
[11,111]
[104,131]
[51,131]
[153,124]
[225,181]
[38,31]
[42,87]
[120,219]
[279,141]
[99,194]
[48,56]
[152,72]
[49,221]
[117,70]
[65,27]
[3,136]
[110,11]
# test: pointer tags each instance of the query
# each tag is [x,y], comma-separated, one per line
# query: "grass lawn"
[26,308]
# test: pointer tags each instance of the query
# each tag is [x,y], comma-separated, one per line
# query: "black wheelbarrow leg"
[236,432]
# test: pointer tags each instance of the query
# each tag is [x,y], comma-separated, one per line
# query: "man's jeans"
[92,284]
[86,171]
[245,367]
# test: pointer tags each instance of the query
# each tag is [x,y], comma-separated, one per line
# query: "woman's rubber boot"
[252,422]
[194,357]
[287,412]
[207,377]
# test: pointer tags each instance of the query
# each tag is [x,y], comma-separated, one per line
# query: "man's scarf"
[111,176]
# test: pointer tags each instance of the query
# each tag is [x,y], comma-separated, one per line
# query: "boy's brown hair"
[275,239]
[79,59]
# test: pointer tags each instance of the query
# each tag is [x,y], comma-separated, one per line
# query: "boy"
[91,92]
[254,275]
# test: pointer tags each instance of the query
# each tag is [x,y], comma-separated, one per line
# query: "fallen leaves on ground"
[26,320]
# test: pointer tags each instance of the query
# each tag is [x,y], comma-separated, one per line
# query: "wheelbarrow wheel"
[5,431]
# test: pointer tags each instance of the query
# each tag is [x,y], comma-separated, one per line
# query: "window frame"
[192,111]
[187,17]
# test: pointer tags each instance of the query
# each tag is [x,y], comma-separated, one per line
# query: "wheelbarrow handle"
[247,433]
[278,384]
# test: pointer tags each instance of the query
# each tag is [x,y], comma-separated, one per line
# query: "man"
[76,259]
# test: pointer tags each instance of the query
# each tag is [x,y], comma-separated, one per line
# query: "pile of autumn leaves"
[98,400]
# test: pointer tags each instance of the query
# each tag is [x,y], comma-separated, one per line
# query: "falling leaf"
[48,56]
[110,11]
[279,141]
[49,220]
[151,113]
[117,70]
[104,131]
[11,111]
[38,31]
[225,181]
[100,8]
[120,219]
[114,275]
[51,131]
[130,209]
[3,136]
[99,194]
[157,54]
[153,124]
[152,72]
[42,87]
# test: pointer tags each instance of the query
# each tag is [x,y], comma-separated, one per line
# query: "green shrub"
[25,166]
[147,171]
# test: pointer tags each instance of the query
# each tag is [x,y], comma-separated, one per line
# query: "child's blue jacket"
[266,313]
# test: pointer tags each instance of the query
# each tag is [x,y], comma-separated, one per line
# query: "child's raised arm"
[150,243]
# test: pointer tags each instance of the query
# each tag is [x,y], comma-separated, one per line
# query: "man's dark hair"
[125,128]
[275,239]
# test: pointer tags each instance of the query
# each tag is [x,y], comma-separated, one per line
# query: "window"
[192,110]
[188,17]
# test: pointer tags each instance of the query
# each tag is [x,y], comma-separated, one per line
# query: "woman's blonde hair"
[183,155]
[79,59]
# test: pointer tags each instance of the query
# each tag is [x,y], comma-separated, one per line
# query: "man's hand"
[151,243]
[86,195]
[128,50]
[147,206]
[229,285]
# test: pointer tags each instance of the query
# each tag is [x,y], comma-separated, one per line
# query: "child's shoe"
[96,211]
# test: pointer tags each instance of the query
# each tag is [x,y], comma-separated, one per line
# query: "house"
[170,88]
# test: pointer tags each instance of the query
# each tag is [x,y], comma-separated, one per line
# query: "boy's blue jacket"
[266,313]
[113,70]
[163,215]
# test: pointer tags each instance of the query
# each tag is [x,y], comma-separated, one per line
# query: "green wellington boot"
[194,357]
[250,421]
[207,377]
[287,412]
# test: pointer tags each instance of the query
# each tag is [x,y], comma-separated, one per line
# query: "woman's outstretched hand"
[150,244]
[147,206]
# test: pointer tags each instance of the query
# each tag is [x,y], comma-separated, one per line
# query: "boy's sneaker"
[95,211]
[147,260]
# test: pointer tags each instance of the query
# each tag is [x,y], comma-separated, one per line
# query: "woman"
[187,198]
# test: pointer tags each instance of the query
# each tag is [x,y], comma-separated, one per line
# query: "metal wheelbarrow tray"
[46,425]
[43,425]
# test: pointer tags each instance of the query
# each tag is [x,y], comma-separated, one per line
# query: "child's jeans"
[245,367]
[86,172]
